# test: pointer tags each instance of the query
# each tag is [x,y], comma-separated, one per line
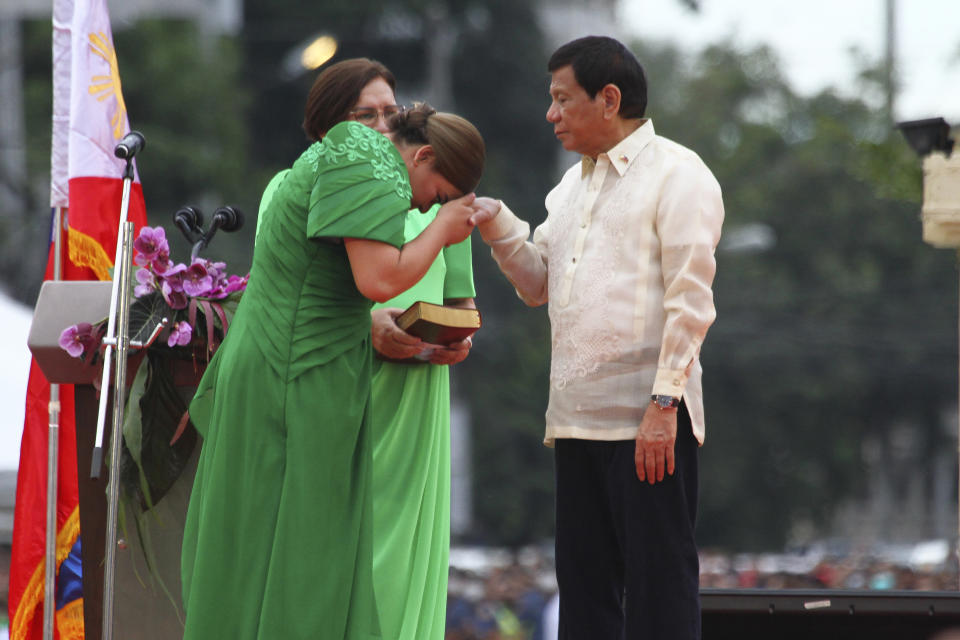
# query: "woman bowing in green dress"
[277,542]
[411,402]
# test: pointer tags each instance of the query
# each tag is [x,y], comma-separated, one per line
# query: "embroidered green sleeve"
[352,142]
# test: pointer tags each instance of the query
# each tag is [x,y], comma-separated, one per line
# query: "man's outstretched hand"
[486,210]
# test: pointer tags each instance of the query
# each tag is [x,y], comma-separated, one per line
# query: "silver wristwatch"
[665,402]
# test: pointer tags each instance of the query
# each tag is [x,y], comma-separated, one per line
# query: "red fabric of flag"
[89,119]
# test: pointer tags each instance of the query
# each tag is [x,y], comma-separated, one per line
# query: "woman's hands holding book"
[394,343]
[390,340]
[452,353]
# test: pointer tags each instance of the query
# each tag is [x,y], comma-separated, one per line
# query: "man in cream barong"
[625,259]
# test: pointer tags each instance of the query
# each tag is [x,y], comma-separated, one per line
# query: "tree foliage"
[25,234]
[839,331]
[181,91]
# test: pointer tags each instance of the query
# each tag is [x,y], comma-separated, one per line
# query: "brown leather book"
[437,324]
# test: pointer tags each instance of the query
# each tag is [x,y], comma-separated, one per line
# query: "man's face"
[577,119]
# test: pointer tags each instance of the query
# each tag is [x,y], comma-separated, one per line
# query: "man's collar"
[624,152]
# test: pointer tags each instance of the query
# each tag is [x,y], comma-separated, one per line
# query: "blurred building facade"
[219,16]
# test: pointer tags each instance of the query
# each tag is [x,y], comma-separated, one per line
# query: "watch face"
[666,402]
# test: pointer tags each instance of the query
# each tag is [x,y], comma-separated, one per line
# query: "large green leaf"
[152,465]
[145,314]
[132,416]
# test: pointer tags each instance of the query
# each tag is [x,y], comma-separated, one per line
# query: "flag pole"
[53,455]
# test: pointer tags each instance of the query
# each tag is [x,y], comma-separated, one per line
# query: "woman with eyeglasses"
[278,541]
[411,402]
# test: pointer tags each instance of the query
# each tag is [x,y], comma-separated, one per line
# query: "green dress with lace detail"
[411,457]
[278,537]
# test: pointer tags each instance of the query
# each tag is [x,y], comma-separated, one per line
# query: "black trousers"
[627,564]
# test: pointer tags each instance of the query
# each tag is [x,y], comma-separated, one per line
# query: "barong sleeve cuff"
[504,227]
[670,382]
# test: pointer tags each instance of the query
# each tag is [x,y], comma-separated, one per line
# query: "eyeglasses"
[369,116]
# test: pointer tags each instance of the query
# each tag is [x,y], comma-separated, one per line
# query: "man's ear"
[423,154]
[610,94]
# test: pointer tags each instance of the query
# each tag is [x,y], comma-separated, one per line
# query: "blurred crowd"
[929,566]
[501,595]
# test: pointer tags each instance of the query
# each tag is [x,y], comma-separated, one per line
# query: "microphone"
[226,218]
[130,145]
[190,221]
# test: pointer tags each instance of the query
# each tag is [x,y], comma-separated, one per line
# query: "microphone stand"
[116,337]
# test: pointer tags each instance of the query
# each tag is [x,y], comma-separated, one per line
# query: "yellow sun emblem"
[105,86]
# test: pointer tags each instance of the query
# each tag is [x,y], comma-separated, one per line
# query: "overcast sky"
[814,38]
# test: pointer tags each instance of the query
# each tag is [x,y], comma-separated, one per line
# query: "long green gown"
[411,449]
[277,542]
[411,465]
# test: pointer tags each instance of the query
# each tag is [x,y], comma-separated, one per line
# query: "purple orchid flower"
[227,285]
[236,283]
[162,263]
[147,283]
[76,339]
[196,280]
[180,334]
[218,270]
[174,274]
[176,299]
[151,242]
[172,279]
[171,286]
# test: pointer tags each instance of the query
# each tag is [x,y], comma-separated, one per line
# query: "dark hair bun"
[458,147]
[410,125]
